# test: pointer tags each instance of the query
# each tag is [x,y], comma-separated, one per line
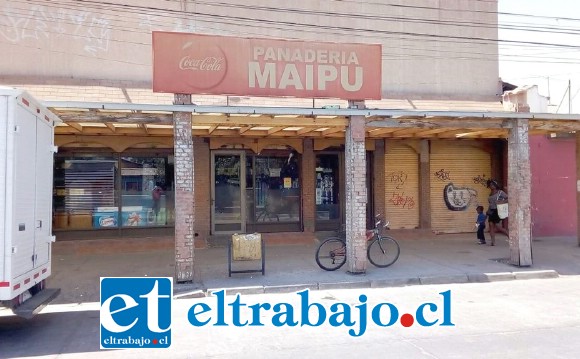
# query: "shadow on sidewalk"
[437,259]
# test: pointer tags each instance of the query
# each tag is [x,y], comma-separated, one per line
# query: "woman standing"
[496,197]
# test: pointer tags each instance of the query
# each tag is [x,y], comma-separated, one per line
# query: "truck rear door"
[44,169]
[23,191]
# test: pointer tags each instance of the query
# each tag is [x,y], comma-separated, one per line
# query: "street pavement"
[520,312]
[425,259]
[536,318]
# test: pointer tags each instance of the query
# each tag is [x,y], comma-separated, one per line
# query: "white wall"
[86,40]
[525,98]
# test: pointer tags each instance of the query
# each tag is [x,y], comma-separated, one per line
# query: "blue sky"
[547,67]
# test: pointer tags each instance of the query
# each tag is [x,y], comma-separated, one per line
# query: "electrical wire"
[342,29]
[317,27]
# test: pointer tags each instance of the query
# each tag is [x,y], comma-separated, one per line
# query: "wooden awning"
[292,122]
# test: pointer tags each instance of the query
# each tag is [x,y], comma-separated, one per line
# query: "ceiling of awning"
[302,124]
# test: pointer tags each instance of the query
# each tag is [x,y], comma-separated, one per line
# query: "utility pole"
[569,99]
[569,96]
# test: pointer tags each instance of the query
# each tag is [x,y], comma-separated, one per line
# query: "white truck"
[26,166]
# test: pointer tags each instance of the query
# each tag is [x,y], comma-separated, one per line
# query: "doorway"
[329,196]
[228,179]
[331,190]
[255,192]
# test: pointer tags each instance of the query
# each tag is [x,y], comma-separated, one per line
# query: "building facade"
[220,163]
[553,166]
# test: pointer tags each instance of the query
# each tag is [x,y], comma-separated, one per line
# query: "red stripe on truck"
[17,286]
[44,271]
[27,280]
[36,275]
[4,284]
[25,101]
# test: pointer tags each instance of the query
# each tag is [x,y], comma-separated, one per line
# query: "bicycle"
[382,251]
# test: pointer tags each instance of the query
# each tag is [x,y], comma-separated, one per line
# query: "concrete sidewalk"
[430,259]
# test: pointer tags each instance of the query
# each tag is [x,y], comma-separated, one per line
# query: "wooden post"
[425,185]
[379,179]
[308,186]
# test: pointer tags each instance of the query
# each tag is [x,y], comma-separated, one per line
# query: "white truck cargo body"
[26,176]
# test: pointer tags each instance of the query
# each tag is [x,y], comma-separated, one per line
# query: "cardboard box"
[246,247]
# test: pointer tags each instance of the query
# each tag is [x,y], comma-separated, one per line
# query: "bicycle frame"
[382,250]
[371,235]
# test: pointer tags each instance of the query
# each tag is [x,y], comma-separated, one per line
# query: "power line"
[461,10]
[372,34]
[451,38]
[455,23]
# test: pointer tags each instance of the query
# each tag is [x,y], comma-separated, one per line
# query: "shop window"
[147,197]
[277,187]
[81,185]
[87,195]
[327,187]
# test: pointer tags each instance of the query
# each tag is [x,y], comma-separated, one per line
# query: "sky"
[548,67]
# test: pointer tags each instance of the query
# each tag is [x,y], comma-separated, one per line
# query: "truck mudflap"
[32,306]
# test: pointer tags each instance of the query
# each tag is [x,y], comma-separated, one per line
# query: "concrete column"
[379,178]
[356,195]
[184,193]
[578,182]
[425,185]
[519,193]
[308,186]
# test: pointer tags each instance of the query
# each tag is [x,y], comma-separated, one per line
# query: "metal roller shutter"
[402,186]
[458,174]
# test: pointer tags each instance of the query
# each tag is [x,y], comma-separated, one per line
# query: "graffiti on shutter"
[459,172]
[402,186]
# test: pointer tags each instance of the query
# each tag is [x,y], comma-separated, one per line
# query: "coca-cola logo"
[209,63]
[204,64]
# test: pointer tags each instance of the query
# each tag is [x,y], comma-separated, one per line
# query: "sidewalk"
[429,259]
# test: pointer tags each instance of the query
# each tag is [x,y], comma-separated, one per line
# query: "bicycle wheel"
[383,252]
[331,254]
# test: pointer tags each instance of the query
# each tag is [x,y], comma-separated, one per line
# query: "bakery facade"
[238,134]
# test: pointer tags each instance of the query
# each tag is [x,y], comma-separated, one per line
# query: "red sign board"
[221,65]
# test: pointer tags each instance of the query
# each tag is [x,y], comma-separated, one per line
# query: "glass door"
[328,194]
[228,204]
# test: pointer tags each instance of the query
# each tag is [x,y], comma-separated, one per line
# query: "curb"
[538,274]
[289,288]
[446,279]
[380,283]
[345,285]
[395,282]
[491,277]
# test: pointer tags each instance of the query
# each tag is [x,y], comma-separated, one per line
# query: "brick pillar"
[184,194]
[379,179]
[202,188]
[519,193]
[425,185]
[308,186]
[356,196]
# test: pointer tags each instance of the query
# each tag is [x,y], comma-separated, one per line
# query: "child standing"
[481,217]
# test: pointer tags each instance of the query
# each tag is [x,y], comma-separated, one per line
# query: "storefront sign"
[202,64]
